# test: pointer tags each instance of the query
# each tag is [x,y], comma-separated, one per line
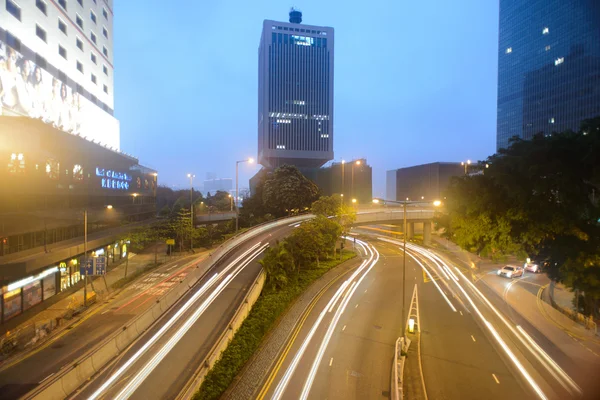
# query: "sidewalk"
[64,313]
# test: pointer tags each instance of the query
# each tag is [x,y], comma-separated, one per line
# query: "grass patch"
[138,272]
[267,309]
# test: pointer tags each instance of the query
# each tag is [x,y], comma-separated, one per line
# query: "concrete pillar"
[410,230]
[427,233]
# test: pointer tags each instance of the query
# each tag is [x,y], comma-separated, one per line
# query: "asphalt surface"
[198,318]
[17,379]
[473,344]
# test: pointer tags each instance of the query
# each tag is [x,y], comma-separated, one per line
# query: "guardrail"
[70,378]
[219,347]
[397,392]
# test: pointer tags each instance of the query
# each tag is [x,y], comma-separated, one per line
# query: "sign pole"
[85,257]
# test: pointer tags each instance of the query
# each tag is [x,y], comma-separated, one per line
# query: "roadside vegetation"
[537,199]
[291,265]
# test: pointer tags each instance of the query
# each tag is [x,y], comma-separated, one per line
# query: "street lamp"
[134,195]
[465,164]
[353,201]
[191,176]
[230,203]
[343,168]
[436,203]
[237,195]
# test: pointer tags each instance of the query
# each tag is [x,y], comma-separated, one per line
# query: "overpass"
[395,215]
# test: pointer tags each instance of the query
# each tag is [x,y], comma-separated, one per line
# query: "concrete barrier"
[67,381]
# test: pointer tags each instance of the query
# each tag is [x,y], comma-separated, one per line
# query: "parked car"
[510,271]
[531,267]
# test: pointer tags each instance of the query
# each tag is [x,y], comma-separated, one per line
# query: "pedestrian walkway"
[25,334]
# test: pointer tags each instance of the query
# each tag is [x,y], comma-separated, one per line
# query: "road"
[160,363]
[470,347]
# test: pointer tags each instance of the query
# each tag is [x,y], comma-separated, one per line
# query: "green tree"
[279,266]
[287,191]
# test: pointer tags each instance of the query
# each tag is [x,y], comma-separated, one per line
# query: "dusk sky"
[415,82]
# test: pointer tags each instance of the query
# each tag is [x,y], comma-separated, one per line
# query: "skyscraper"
[56,65]
[295,93]
[548,66]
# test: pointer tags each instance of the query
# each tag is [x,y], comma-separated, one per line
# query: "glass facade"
[548,66]
[295,95]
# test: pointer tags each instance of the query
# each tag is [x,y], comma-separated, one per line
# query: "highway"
[470,347]
[160,363]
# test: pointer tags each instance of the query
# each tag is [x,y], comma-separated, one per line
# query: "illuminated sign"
[113,179]
[28,89]
[303,40]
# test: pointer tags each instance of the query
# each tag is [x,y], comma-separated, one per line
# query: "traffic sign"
[171,241]
[87,268]
[100,265]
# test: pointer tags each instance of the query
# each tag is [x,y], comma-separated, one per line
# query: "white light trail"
[434,282]
[166,326]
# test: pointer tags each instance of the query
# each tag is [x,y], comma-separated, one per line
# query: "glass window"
[79,67]
[62,52]
[93,37]
[79,21]
[105,51]
[92,16]
[63,3]
[105,70]
[13,9]
[105,13]
[32,294]
[39,32]
[79,44]
[49,286]
[105,32]
[93,78]
[105,89]
[80,2]
[62,26]
[52,169]
[12,303]
[13,41]
[93,57]
[41,5]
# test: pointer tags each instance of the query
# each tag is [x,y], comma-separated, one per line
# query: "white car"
[532,267]
[510,271]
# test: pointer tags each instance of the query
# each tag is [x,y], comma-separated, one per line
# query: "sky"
[414,82]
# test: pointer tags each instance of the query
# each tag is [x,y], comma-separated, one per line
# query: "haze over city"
[419,78]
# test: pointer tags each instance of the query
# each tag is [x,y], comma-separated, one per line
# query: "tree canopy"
[537,198]
[287,191]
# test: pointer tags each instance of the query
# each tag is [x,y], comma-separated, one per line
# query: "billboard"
[27,89]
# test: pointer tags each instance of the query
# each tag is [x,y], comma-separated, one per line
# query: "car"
[510,271]
[532,267]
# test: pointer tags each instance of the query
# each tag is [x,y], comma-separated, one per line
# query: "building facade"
[61,169]
[548,66]
[295,93]
[426,182]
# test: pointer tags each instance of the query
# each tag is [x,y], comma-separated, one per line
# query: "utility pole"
[191,176]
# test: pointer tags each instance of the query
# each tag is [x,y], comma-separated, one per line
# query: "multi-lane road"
[171,350]
[471,345]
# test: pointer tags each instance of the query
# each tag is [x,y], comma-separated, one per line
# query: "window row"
[41,4]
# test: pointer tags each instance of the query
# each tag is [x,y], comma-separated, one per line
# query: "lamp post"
[343,168]
[85,257]
[436,203]
[230,203]
[133,196]
[465,164]
[237,198]
[357,162]
[191,176]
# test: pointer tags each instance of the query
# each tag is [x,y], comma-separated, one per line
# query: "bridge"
[395,215]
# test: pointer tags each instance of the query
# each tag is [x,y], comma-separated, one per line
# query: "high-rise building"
[56,65]
[548,66]
[426,182]
[295,93]
[61,168]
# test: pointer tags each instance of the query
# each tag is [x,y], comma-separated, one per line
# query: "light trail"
[166,326]
[433,280]
[282,385]
[162,353]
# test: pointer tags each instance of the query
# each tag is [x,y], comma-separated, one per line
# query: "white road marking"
[105,312]
[174,266]
[365,290]
[344,328]
[460,312]
[46,378]
[331,361]
[496,379]
[356,306]
[473,338]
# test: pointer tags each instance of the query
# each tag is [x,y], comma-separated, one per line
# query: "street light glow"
[376,201]
[134,194]
[109,207]
[358,162]
[354,200]
[437,203]
[251,160]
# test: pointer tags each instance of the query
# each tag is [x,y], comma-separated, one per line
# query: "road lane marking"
[496,379]
[365,290]
[356,306]
[331,361]
[344,328]
[174,266]
[105,312]
[473,338]
[46,378]
[460,312]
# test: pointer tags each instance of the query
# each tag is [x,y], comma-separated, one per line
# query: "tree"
[287,191]
[279,266]
[538,198]
[326,206]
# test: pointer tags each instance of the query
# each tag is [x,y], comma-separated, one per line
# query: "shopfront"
[26,293]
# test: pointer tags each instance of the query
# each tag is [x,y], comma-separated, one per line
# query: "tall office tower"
[295,94]
[56,65]
[548,66]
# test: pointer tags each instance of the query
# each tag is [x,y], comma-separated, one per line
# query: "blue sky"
[415,82]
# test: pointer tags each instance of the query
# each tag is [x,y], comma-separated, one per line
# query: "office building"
[426,182]
[548,67]
[217,184]
[59,148]
[353,179]
[295,93]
